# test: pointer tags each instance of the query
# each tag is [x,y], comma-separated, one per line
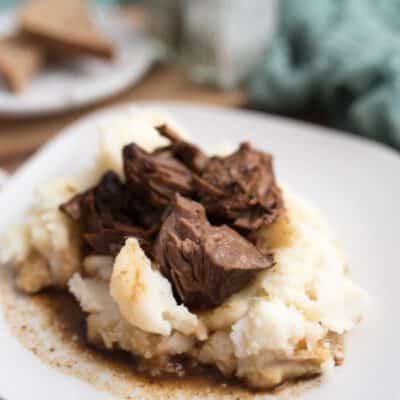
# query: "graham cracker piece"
[20,60]
[64,27]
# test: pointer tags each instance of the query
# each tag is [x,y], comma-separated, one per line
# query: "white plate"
[84,80]
[355,183]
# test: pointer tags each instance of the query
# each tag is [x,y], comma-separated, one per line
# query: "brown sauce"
[61,315]
[63,307]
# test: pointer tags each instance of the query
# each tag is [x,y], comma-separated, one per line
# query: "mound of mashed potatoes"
[287,323]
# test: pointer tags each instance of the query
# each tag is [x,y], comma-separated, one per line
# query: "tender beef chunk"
[240,189]
[155,178]
[204,263]
[107,215]
[186,152]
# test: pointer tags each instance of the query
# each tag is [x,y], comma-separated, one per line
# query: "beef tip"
[106,215]
[240,189]
[205,263]
[155,178]
[186,152]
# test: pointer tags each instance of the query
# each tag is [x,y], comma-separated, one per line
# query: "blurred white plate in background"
[83,80]
[352,180]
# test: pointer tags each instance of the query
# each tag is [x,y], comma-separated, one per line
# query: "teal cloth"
[341,57]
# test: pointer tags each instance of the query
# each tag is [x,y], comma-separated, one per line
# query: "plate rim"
[314,129]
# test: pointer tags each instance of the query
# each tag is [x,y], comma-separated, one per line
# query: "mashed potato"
[45,250]
[286,323]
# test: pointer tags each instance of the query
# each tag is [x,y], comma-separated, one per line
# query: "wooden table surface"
[21,137]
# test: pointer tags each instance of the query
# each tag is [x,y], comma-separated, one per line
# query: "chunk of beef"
[107,215]
[155,178]
[204,263]
[186,152]
[240,189]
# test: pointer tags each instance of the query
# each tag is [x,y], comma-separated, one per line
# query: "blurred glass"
[165,25]
[223,39]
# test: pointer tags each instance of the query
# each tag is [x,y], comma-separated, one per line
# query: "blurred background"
[329,62]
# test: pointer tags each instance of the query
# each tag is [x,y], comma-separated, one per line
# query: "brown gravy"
[63,307]
[61,316]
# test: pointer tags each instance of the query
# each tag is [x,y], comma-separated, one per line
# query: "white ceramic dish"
[3,178]
[84,80]
[353,181]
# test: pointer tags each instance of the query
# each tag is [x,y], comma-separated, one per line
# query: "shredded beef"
[186,152]
[195,216]
[204,263]
[106,215]
[240,189]
[155,178]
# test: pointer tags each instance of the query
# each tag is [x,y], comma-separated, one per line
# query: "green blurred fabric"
[341,57]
